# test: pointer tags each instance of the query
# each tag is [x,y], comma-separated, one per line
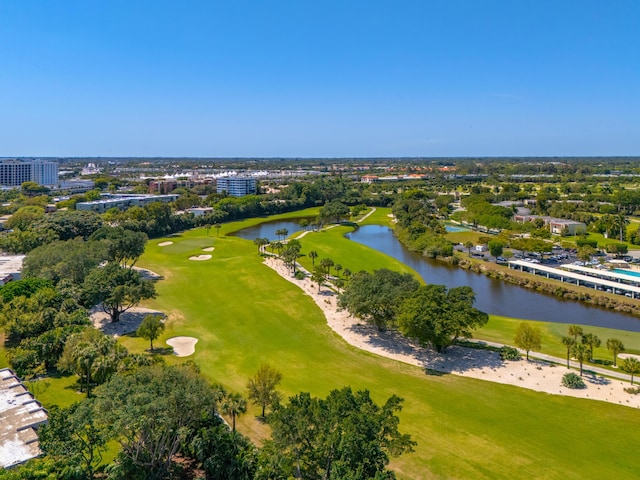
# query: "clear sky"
[303,78]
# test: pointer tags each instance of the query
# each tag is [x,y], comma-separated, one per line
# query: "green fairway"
[243,313]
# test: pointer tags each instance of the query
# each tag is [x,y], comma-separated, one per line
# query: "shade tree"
[528,338]
[436,316]
[150,328]
[375,297]
[262,387]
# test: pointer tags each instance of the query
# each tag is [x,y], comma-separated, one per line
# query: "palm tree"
[347,273]
[620,223]
[234,405]
[616,347]
[313,255]
[631,365]
[260,242]
[468,245]
[592,341]
[319,276]
[327,263]
[568,342]
[338,269]
[575,331]
[581,353]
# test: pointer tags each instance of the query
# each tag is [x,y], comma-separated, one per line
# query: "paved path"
[563,361]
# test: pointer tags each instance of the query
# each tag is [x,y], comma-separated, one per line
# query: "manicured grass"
[502,330]
[463,237]
[243,314]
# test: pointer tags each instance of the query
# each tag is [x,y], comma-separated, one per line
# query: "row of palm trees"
[580,346]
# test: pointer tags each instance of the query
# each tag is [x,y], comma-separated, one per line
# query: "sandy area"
[165,244]
[198,258]
[467,362]
[183,346]
[148,274]
[129,320]
[208,249]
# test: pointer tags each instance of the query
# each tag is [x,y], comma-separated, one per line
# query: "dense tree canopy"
[116,289]
[437,317]
[345,436]
[375,297]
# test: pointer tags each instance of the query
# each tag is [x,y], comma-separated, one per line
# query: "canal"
[492,296]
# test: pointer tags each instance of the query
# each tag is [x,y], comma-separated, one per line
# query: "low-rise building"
[20,415]
[123,202]
[557,226]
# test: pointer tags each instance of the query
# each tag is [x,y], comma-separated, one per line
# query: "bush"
[509,353]
[586,242]
[300,275]
[632,390]
[571,380]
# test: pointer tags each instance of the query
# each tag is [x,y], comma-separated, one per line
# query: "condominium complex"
[14,172]
[236,186]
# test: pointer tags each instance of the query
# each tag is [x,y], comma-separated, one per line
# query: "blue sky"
[319,78]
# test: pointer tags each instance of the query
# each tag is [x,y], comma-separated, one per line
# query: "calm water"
[492,296]
[268,230]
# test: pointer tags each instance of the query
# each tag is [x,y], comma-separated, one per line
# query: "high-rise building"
[14,172]
[236,186]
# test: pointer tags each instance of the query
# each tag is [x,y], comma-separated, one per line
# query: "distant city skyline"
[320,79]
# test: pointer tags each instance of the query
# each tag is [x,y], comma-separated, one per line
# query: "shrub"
[571,380]
[300,275]
[587,242]
[632,390]
[509,353]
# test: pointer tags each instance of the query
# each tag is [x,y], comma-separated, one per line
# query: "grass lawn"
[502,330]
[243,314]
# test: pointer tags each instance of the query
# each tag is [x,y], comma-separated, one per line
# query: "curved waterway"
[492,296]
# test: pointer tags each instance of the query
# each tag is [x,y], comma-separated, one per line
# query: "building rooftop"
[20,415]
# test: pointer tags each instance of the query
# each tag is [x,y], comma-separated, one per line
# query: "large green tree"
[262,387]
[123,246]
[437,317]
[150,328]
[345,436]
[116,289]
[592,341]
[528,337]
[631,365]
[375,297]
[74,437]
[153,413]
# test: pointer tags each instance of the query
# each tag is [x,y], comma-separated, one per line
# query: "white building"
[14,172]
[236,186]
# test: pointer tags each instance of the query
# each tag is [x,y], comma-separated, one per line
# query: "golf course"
[244,314]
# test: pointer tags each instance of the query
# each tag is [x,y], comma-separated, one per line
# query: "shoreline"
[535,375]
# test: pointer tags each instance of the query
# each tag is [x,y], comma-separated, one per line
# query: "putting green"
[243,314]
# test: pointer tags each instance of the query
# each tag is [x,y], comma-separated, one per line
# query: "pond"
[268,230]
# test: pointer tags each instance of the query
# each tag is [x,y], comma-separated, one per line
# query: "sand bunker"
[129,320]
[183,346]
[208,249]
[164,244]
[200,257]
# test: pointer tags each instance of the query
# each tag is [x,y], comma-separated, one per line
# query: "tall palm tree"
[234,405]
[581,352]
[575,331]
[631,365]
[568,342]
[592,341]
[615,346]
[313,255]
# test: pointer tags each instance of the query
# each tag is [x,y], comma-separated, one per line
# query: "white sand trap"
[200,257]
[164,244]
[208,249]
[183,346]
